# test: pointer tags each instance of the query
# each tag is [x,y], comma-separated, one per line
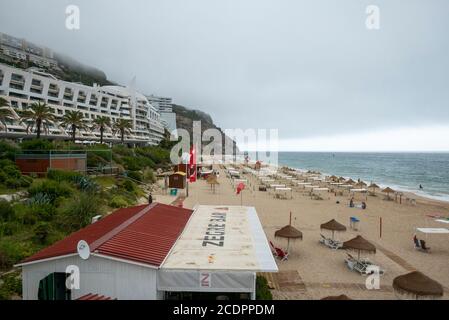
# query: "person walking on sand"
[421,187]
[351,203]
[150,198]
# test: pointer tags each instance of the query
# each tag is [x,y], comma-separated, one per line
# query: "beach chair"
[278,252]
[333,244]
[362,266]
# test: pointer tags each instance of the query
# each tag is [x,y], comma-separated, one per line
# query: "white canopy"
[283,189]
[358,190]
[226,238]
[433,230]
[320,189]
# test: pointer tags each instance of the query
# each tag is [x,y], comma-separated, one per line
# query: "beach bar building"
[155,251]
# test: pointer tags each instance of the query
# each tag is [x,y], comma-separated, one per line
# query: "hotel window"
[93,100]
[104,102]
[53,90]
[68,94]
[17,81]
[81,97]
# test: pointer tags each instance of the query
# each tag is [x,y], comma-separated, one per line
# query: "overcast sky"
[309,68]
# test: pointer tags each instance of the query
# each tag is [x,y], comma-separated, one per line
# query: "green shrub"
[11,171]
[7,150]
[13,183]
[123,150]
[25,181]
[22,214]
[36,144]
[61,175]
[137,163]
[51,188]
[11,285]
[12,251]
[41,232]
[77,212]
[118,202]
[128,185]
[136,175]
[148,175]
[41,212]
[262,290]
[6,211]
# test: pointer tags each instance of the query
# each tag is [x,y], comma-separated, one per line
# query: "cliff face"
[186,116]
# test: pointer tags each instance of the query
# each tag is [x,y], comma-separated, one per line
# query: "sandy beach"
[314,271]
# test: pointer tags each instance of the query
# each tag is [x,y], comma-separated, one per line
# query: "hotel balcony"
[17,83]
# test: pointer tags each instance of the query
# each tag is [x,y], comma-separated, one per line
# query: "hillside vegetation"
[62,202]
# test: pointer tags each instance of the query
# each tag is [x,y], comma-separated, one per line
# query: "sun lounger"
[333,244]
[362,266]
[278,252]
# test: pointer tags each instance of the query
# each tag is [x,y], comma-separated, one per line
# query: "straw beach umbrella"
[361,184]
[341,179]
[349,181]
[415,285]
[333,226]
[212,181]
[388,190]
[359,244]
[289,232]
[373,186]
[333,178]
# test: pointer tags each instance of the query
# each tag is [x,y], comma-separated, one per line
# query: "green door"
[53,287]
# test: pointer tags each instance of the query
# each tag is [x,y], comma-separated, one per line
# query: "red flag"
[240,187]
[192,165]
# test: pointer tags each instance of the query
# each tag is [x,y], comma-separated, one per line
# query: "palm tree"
[101,123]
[74,120]
[123,126]
[5,113]
[39,115]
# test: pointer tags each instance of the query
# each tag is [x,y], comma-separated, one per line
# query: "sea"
[400,171]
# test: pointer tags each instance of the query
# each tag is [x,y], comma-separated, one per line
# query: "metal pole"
[380,229]
[187,179]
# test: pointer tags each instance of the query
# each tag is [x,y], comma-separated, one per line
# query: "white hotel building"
[24,87]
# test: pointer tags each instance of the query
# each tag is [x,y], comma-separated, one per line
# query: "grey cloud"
[306,67]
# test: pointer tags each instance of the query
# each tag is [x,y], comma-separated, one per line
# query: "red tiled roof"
[143,234]
[91,296]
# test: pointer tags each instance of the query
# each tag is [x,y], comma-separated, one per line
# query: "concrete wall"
[97,275]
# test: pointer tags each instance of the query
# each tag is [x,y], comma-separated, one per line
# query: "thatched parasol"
[340,297]
[212,181]
[361,184]
[341,179]
[415,285]
[388,190]
[373,186]
[333,178]
[349,181]
[359,244]
[333,226]
[289,232]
